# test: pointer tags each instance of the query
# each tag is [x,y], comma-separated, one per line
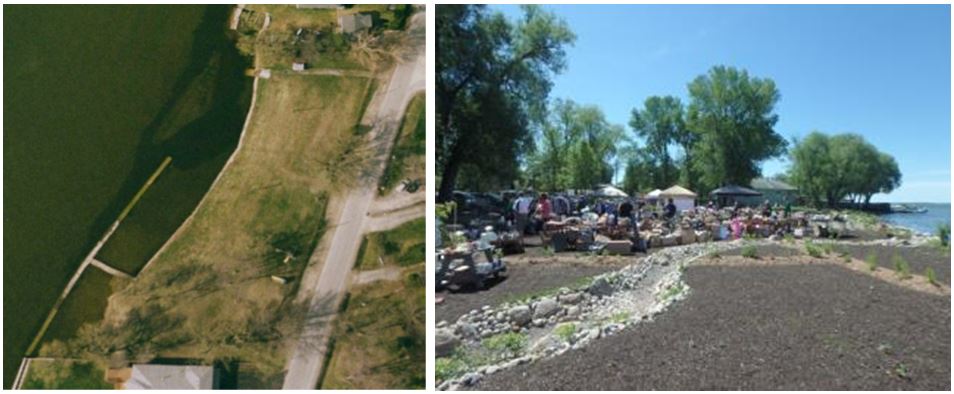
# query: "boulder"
[520,315]
[445,342]
[600,287]
[545,308]
[571,298]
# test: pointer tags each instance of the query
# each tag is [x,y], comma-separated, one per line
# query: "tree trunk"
[449,176]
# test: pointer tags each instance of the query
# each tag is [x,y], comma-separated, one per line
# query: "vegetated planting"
[406,162]
[222,288]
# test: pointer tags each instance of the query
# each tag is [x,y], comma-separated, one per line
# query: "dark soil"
[764,327]
[919,258]
[522,278]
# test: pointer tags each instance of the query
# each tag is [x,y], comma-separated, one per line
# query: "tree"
[659,123]
[734,117]
[830,168]
[492,81]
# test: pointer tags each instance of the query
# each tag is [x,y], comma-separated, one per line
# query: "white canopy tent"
[683,198]
[610,191]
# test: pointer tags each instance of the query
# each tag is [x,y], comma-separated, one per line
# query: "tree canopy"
[828,169]
[734,117]
[492,81]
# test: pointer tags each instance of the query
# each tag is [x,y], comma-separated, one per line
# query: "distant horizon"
[882,71]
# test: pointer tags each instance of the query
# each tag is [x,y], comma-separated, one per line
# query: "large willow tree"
[492,81]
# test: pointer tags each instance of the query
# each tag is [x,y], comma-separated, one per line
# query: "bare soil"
[766,327]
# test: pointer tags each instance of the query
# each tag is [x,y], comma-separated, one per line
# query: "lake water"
[922,222]
[95,97]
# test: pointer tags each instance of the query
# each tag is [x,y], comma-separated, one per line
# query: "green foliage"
[750,252]
[449,367]
[872,261]
[944,233]
[827,169]
[492,78]
[620,317]
[565,331]
[672,291]
[734,117]
[789,238]
[64,374]
[512,342]
[813,250]
[931,276]
[901,267]
[661,123]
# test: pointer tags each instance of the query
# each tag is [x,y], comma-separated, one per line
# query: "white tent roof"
[677,191]
[610,191]
[654,194]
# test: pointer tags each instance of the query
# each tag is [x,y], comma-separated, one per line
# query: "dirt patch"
[529,274]
[767,327]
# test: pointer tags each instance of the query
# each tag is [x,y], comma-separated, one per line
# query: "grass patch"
[901,266]
[813,250]
[871,260]
[520,298]
[64,374]
[565,331]
[750,252]
[402,246]
[409,142]
[672,291]
[492,350]
[931,276]
[380,337]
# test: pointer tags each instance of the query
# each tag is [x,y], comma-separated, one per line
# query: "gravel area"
[919,258]
[789,327]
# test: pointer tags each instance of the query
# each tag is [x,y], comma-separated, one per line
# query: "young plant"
[944,234]
[872,261]
[813,250]
[750,252]
[565,331]
[512,342]
[931,276]
[901,267]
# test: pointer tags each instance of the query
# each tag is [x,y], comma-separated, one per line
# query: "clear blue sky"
[880,71]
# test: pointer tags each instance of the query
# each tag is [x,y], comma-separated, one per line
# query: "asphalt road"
[305,365]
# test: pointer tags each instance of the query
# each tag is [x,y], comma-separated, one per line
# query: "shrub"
[901,267]
[944,233]
[813,250]
[872,261]
[750,252]
[565,331]
[931,276]
[828,248]
[789,238]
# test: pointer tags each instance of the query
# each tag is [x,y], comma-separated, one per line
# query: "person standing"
[544,211]
[521,208]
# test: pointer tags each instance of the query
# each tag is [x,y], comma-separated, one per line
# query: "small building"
[171,377]
[732,194]
[298,65]
[681,197]
[775,192]
[355,23]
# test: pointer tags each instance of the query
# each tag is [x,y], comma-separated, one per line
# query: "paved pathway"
[305,365]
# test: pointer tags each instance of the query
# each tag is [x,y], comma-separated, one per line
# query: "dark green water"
[94,98]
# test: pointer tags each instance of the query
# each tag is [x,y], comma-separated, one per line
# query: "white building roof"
[173,377]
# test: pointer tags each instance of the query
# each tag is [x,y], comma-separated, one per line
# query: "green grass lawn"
[407,155]
[402,246]
[63,374]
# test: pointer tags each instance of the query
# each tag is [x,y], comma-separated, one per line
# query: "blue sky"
[880,71]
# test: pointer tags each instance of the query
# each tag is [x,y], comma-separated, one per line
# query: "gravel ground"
[793,327]
[527,275]
[919,258]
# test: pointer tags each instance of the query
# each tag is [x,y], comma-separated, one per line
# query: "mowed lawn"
[216,277]
[403,246]
[379,340]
